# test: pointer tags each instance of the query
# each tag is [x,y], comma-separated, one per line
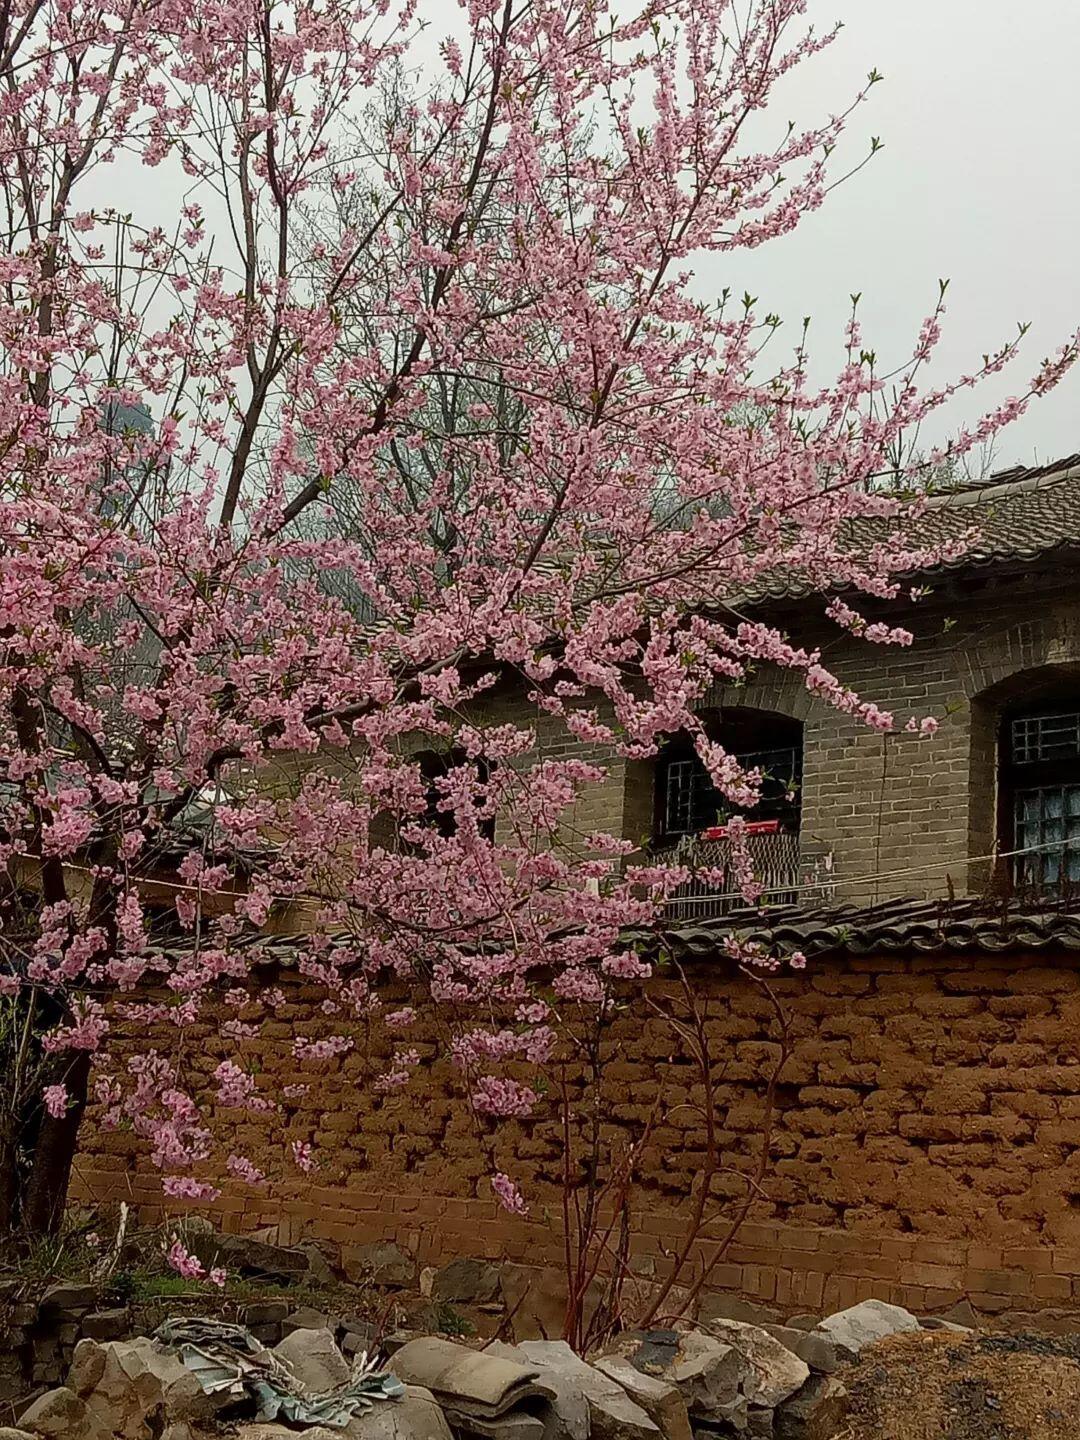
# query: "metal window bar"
[682,797]
[691,801]
[1038,738]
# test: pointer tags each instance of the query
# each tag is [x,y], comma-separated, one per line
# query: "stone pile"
[722,1378]
[43,1333]
[39,1332]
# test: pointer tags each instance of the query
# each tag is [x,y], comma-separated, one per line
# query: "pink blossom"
[401,1068]
[508,1195]
[303,1158]
[243,1169]
[56,1100]
[399,1019]
[438,510]
[321,1049]
[499,1096]
[236,1088]
[185,1264]
[183,1187]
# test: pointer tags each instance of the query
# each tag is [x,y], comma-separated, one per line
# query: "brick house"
[928,1145]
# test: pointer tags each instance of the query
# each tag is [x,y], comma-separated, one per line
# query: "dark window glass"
[1047,822]
[433,767]
[1041,797]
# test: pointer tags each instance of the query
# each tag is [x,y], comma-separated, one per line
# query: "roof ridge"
[1020,481]
[1013,478]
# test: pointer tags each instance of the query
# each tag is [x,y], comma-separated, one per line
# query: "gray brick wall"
[901,815]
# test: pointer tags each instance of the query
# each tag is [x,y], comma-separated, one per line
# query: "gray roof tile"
[901,926]
[1020,515]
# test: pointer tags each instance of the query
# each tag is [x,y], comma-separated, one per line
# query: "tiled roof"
[896,926]
[1020,515]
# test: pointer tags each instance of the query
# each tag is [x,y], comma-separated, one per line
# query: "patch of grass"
[66,1256]
[156,1287]
[452,1322]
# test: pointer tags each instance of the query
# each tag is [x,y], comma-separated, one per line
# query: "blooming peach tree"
[256,569]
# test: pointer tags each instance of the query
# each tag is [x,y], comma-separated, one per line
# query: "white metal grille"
[786,872]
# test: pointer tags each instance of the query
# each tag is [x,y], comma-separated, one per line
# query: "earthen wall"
[926,1146]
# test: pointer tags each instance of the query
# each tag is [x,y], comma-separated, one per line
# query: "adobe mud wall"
[927,1145]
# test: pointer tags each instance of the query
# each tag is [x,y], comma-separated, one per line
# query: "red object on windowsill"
[752,827]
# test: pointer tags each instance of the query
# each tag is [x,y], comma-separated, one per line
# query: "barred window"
[687,800]
[1041,797]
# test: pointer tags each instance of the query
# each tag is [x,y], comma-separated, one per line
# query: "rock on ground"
[815,1413]
[661,1401]
[567,1414]
[305,1318]
[65,1298]
[415,1416]
[87,1367]
[62,1415]
[467,1282]
[483,1383]
[320,1271]
[381,1263]
[612,1414]
[707,1372]
[131,1388]
[775,1373]
[962,1313]
[313,1357]
[105,1324]
[249,1256]
[818,1351]
[865,1323]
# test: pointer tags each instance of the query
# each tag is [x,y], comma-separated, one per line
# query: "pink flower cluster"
[190,1267]
[508,1195]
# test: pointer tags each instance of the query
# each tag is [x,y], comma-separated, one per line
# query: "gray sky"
[979,182]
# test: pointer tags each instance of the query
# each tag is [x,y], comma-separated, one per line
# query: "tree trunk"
[45,1197]
[9,1180]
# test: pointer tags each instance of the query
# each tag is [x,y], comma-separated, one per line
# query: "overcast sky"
[979,182]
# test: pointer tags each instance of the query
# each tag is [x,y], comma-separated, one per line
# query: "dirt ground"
[941,1386]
